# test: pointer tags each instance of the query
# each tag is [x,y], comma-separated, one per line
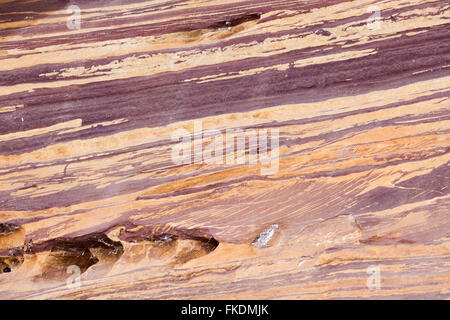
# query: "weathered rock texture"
[87,178]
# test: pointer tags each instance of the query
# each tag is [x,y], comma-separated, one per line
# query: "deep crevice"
[235,21]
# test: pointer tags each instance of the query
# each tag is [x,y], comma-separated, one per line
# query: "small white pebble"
[352,219]
[265,237]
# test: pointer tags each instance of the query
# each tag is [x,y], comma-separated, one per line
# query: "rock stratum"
[359,94]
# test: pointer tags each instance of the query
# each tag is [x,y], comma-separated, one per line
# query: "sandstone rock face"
[224,149]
